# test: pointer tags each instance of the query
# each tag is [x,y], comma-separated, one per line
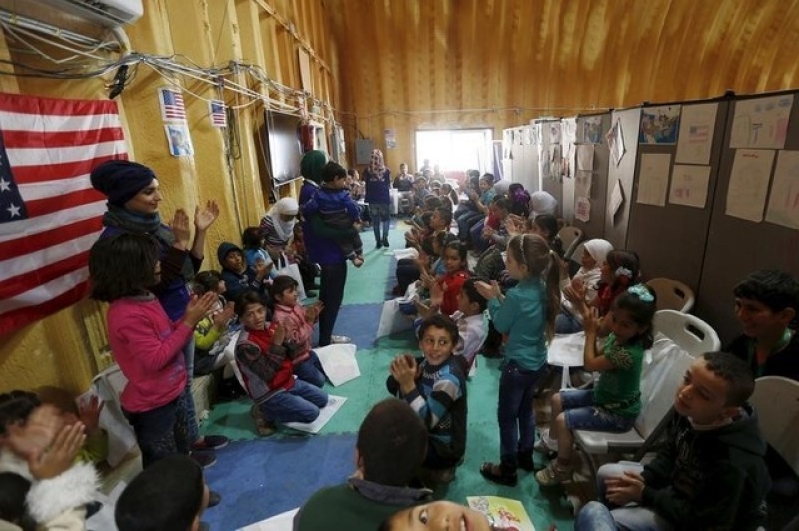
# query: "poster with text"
[585,157]
[697,125]
[761,122]
[659,125]
[746,196]
[689,185]
[783,205]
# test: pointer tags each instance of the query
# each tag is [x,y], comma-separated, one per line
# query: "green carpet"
[367,286]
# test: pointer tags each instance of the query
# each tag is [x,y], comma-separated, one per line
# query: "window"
[456,149]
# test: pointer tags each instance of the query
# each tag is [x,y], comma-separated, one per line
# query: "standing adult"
[323,250]
[133,200]
[277,230]
[378,196]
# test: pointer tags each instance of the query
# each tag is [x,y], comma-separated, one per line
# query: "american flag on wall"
[49,213]
[171,104]
[218,113]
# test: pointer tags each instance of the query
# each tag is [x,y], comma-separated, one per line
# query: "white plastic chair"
[570,237]
[672,294]
[679,339]
[776,402]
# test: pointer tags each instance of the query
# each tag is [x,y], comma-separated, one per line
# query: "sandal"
[553,475]
[493,472]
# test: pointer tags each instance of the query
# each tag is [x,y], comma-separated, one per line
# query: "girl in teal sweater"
[527,315]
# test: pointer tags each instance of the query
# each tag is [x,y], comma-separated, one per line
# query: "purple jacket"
[377,187]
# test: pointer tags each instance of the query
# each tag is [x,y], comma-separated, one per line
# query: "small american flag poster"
[218,113]
[172,108]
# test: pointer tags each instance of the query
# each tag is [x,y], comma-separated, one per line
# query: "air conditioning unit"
[82,13]
[109,13]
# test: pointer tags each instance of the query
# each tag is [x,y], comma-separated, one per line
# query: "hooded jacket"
[710,480]
[237,283]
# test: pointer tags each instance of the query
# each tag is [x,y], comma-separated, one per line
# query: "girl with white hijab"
[594,254]
[277,226]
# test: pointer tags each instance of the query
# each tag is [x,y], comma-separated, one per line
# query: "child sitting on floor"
[435,387]
[265,360]
[299,322]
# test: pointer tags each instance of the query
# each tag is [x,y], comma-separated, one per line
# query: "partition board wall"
[523,153]
[736,246]
[616,226]
[595,226]
[548,134]
[669,236]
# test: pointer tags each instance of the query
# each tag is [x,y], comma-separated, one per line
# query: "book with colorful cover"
[503,513]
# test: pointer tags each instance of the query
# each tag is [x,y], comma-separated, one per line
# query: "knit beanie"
[121,180]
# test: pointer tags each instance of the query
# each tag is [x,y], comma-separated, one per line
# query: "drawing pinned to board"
[585,157]
[582,209]
[653,178]
[591,130]
[555,162]
[390,136]
[697,124]
[615,140]
[783,205]
[554,132]
[582,184]
[689,185]
[616,199]
[761,122]
[746,196]
[179,140]
[659,125]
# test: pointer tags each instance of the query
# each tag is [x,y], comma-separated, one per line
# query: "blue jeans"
[381,216]
[515,412]
[581,414]
[299,404]
[160,432]
[566,323]
[186,401]
[331,293]
[311,371]
[597,516]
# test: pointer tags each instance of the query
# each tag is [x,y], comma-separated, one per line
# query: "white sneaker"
[340,339]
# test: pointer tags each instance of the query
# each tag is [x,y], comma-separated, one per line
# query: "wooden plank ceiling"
[406,58]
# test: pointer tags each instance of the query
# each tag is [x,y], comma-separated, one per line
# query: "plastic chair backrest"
[570,237]
[672,294]
[658,386]
[691,333]
[776,402]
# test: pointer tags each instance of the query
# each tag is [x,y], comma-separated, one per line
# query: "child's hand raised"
[89,413]
[404,369]
[58,457]
[222,318]
[198,308]
[436,294]
[279,334]
[488,291]
[591,320]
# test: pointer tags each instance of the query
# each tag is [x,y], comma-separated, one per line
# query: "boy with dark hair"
[766,302]
[238,276]
[334,205]
[472,329]
[711,473]
[435,387]
[389,451]
[264,358]
[170,495]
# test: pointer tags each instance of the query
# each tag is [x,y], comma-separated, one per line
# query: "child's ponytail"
[553,293]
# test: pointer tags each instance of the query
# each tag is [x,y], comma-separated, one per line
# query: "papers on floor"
[338,362]
[334,403]
[279,522]
[502,513]
[566,350]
